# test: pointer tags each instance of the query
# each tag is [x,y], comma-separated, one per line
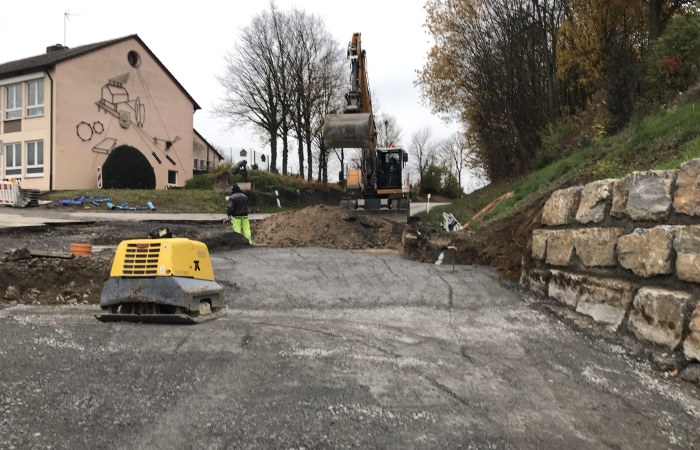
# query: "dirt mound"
[327,227]
[502,243]
[53,280]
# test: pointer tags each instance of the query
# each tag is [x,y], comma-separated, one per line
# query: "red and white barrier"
[9,193]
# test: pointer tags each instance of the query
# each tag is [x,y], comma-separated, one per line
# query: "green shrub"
[673,63]
[605,169]
[201,181]
[554,141]
[451,188]
[431,183]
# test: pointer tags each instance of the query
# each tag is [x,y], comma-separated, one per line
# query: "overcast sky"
[192,38]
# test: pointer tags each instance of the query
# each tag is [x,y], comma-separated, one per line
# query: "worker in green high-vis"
[238,212]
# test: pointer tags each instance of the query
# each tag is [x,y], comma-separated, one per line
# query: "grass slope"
[663,140]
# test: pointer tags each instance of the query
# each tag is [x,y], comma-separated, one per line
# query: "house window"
[35,98]
[35,158]
[13,159]
[172,177]
[13,101]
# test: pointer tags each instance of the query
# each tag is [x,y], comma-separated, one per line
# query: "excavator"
[377,183]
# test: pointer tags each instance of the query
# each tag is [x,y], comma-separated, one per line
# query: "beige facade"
[206,157]
[64,113]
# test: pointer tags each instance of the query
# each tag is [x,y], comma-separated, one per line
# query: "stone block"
[596,246]
[539,243]
[657,316]
[650,194]
[647,252]
[619,200]
[606,301]
[561,207]
[691,345]
[686,199]
[686,243]
[595,197]
[560,247]
[535,281]
[565,287]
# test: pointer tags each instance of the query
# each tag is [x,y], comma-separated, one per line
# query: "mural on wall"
[85,130]
[116,101]
[114,95]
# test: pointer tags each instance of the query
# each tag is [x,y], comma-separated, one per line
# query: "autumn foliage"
[509,69]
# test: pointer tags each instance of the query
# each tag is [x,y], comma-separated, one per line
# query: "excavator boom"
[354,127]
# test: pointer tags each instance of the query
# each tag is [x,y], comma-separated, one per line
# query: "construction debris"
[125,206]
[99,200]
[96,200]
[450,223]
[12,194]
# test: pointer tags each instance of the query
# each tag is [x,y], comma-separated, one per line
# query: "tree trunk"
[300,144]
[655,8]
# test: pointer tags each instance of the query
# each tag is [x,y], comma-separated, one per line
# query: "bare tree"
[422,149]
[455,154]
[249,83]
[316,72]
[283,82]
[388,131]
[281,76]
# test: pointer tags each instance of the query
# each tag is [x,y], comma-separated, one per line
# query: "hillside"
[661,140]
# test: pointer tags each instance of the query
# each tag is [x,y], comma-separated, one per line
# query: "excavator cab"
[391,165]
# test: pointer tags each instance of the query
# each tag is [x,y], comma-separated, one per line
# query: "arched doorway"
[127,168]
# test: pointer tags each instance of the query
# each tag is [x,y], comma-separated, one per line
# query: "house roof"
[208,144]
[49,60]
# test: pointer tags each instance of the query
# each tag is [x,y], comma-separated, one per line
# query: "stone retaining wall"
[625,252]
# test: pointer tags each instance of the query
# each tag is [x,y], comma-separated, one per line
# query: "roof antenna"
[66,16]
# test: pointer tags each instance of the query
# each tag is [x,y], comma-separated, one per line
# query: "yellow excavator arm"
[354,127]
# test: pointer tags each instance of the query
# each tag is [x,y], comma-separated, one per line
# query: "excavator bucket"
[392,215]
[358,208]
[347,130]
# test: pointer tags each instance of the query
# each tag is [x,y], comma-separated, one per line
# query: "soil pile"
[327,227]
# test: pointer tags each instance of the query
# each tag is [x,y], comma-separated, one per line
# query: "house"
[67,114]
[206,157]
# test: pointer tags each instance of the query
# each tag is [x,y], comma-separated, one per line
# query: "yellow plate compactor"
[168,280]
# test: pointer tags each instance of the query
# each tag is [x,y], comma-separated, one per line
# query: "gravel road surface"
[334,349]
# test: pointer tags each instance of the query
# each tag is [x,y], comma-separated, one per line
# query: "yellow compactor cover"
[177,257]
